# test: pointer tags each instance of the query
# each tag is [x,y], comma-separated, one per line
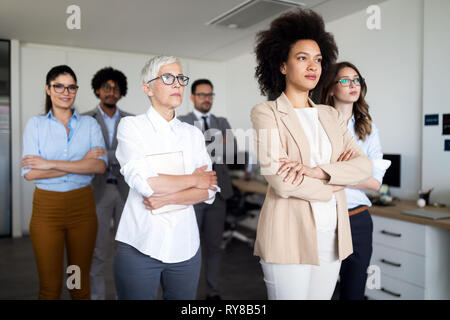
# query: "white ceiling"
[174,27]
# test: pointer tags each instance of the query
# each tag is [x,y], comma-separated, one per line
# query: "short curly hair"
[273,46]
[108,73]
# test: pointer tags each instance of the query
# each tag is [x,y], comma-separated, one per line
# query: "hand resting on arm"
[294,170]
[182,189]
[44,169]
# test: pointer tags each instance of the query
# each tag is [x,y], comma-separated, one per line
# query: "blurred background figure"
[110,188]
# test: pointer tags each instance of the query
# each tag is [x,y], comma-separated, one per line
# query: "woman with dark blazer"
[303,231]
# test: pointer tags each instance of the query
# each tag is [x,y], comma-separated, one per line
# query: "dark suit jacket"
[223,177]
[99,180]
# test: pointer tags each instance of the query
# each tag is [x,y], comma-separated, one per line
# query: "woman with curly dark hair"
[303,231]
[345,89]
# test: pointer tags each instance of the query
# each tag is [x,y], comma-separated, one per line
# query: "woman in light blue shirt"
[62,151]
[345,89]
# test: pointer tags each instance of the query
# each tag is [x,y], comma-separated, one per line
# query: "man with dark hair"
[110,188]
[211,218]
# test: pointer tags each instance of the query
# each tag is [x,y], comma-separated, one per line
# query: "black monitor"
[392,175]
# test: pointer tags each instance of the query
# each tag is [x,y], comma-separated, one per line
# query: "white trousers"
[300,281]
[304,281]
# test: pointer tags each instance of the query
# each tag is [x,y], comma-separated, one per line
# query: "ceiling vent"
[252,12]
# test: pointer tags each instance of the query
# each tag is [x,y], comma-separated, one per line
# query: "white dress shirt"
[325,212]
[169,237]
[372,148]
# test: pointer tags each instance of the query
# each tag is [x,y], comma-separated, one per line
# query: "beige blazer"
[286,232]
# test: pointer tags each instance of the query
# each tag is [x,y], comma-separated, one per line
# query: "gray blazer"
[99,181]
[223,177]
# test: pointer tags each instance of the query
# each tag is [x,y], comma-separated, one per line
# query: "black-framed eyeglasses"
[169,79]
[60,88]
[205,95]
[346,82]
[108,88]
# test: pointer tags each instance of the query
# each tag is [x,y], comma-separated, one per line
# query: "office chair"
[238,209]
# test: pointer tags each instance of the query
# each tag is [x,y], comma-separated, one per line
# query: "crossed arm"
[158,189]
[181,189]
[292,170]
[44,169]
[311,184]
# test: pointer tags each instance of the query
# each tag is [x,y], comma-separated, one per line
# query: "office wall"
[436,78]
[391,61]
[36,60]
[242,90]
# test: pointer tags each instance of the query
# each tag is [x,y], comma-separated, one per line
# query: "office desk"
[253,186]
[395,212]
[392,212]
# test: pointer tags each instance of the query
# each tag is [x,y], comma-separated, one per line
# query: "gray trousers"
[109,207]
[211,223]
[138,276]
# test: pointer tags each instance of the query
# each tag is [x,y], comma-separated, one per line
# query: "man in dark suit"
[110,188]
[211,218]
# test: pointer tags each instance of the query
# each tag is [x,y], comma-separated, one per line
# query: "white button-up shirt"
[372,148]
[172,236]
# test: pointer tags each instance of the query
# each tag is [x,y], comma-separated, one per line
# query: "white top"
[372,148]
[325,212]
[169,237]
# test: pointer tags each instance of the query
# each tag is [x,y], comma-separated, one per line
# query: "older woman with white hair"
[162,247]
